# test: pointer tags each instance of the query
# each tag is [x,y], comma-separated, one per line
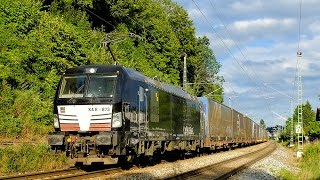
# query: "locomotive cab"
[88,117]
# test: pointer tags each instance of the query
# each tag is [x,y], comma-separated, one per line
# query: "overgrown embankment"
[309,164]
[25,158]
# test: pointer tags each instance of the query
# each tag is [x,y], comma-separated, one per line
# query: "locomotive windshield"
[87,86]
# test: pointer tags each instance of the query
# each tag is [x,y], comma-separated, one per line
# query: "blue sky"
[267,34]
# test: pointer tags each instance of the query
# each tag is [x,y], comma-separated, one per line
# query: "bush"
[10,127]
[24,113]
[35,112]
[310,162]
[22,158]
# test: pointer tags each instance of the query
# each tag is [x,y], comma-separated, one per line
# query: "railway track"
[11,143]
[225,169]
[71,173]
[221,170]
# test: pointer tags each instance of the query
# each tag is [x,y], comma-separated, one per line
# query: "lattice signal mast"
[299,128]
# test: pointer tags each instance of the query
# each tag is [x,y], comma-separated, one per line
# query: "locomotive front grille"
[85,117]
[69,127]
[69,122]
[97,123]
[100,127]
[100,122]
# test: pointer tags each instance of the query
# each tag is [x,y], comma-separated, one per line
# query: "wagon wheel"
[126,161]
[182,156]
[197,152]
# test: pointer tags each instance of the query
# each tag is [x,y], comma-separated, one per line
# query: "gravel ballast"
[269,167]
[166,170]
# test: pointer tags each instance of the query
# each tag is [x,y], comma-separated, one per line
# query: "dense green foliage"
[311,127]
[22,158]
[36,48]
[39,40]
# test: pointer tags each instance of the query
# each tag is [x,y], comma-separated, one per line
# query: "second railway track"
[225,169]
[71,173]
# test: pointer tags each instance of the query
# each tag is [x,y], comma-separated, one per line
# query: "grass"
[310,162]
[24,158]
[287,175]
[309,165]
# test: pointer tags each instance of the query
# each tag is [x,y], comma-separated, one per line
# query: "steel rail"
[71,173]
[40,174]
[214,168]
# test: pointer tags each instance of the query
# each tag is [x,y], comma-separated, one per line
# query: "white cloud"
[276,65]
[315,26]
[244,7]
[264,29]
[263,24]
[267,33]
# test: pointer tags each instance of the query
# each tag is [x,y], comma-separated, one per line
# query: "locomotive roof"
[132,74]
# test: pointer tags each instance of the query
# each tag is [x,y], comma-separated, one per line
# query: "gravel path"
[166,170]
[269,167]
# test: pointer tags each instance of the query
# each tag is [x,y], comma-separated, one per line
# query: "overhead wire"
[233,92]
[141,26]
[109,23]
[244,57]
[98,17]
[221,39]
[225,46]
[130,34]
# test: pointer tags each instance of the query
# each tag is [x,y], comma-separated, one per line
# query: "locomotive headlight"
[117,120]
[56,121]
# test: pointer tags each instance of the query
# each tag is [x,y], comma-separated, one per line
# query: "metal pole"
[185,72]
[282,128]
[291,132]
[300,120]
[291,109]
[114,59]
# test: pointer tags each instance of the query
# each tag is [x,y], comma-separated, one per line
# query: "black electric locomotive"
[107,112]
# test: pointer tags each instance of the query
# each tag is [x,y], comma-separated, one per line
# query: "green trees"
[39,40]
[166,35]
[310,126]
[36,48]
[205,71]
[262,124]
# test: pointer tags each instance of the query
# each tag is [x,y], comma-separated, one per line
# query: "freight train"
[109,113]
